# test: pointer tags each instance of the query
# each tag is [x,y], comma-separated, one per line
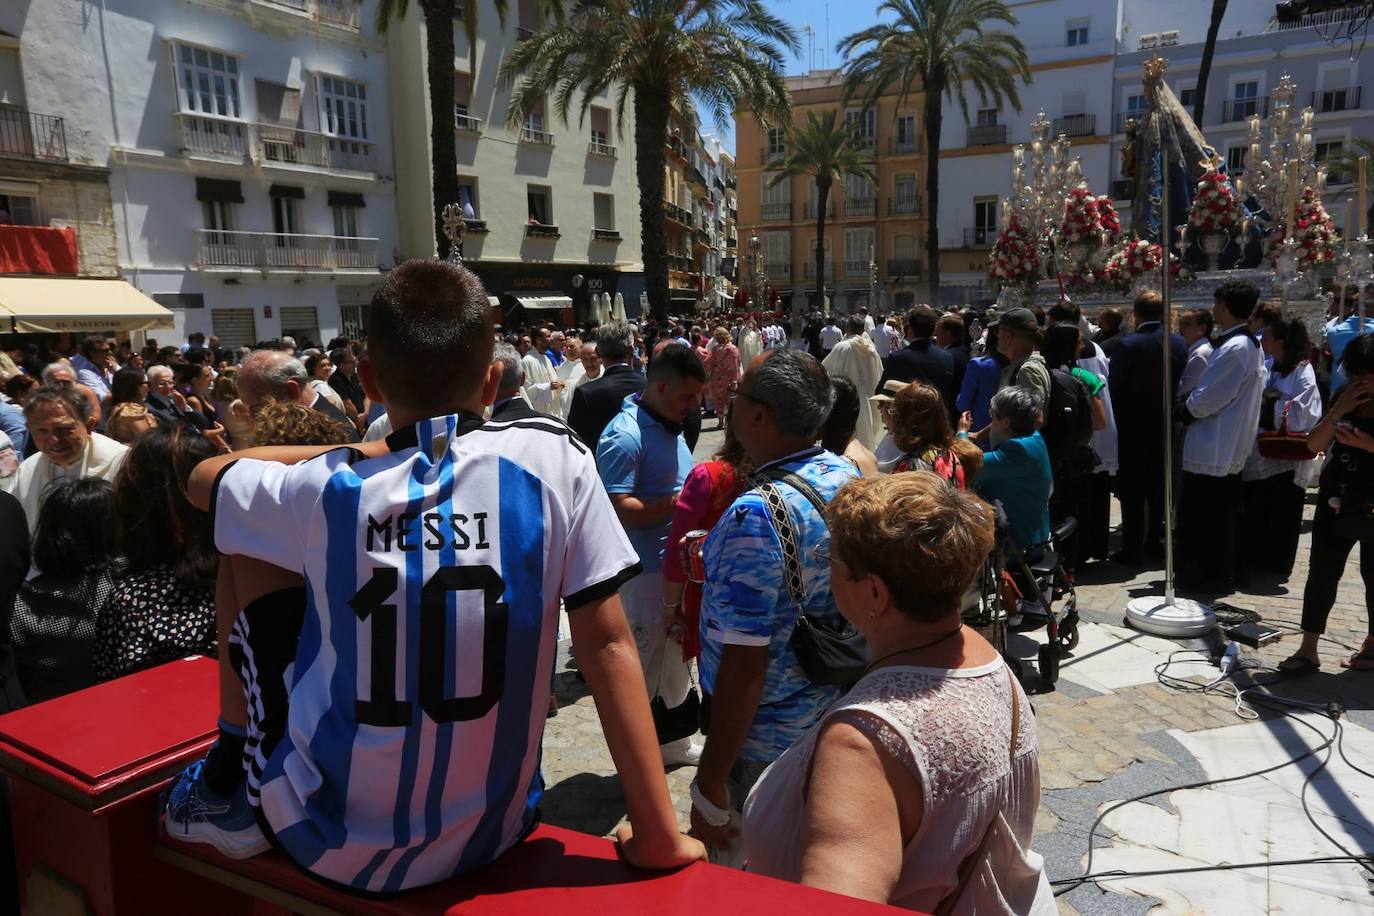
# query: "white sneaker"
[680,753]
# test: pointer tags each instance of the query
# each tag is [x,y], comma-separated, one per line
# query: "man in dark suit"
[596,403]
[921,360]
[1136,382]
[949,336]
[166,404]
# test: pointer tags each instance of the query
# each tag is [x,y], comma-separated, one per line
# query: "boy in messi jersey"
[391,732]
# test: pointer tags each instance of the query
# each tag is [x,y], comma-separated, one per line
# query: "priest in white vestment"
[543,388]
[855,358]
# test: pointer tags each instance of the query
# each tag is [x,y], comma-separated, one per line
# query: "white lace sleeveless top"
[951,729]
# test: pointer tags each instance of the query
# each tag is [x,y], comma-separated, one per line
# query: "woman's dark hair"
[1358,357]
[185,374]
[158,526]
[75,534]
[1060,346]
[1297,343]
[127,386]
[18,387]
[312,362]
[839,427]
[920,419]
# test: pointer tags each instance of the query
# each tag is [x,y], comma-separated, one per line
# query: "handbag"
[1282,445]
[828,656]
[681,721]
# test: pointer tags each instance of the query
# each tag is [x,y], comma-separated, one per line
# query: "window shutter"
[221,190]
[346,199]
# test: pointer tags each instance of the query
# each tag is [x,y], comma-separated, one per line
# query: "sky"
[844,17]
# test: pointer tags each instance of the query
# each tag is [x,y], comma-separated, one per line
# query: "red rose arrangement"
[1134,258]
[1313,229]
[1108,217]
[1013,256]
[1215,207]
[1082,220]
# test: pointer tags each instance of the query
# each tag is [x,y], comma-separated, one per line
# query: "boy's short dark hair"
[430,333]
[674,362]
[1240,297]
[920,321]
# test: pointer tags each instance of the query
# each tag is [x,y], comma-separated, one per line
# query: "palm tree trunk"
[822,199]
[444,153]
[933,115]
[652,109]
[1204,71]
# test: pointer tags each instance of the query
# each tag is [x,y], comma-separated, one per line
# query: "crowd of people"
[796,598]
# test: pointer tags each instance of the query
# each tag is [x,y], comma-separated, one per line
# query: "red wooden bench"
[85,771]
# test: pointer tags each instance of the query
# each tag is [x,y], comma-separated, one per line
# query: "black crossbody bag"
[829,657]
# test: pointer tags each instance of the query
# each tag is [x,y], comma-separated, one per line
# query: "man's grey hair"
[51,369]
[615,341]
[288,341]
[512,373]
[797,387]
[159,371]
[267,372]
[1019,405]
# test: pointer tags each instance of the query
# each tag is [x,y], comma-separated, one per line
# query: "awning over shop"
[545,302]
[57,304]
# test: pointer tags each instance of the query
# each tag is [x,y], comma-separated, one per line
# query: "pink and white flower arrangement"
[1082,221]
[1313,229]
[1013,257]
[1134,258]
[1215,207]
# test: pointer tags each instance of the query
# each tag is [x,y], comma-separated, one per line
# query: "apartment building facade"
[551,209]
[249,152]
[865,225]
[1254,52]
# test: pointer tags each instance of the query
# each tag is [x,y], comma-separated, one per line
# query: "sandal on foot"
[1362,660]
[1297,666]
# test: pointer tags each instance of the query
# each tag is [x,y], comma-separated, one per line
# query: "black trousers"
[1209,531]
[1086,498]
[1273,520]
[1325,566]
[1140,488]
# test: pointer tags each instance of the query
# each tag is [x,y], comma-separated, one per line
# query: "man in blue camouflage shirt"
[761,701]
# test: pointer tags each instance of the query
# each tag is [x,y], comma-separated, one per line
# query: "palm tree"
[824,148]
[1204,70]
[438,17]
[939,47]
[659,56]
[1347,165]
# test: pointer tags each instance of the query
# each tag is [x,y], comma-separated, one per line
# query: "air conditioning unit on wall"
[1168,39]
[1149,40]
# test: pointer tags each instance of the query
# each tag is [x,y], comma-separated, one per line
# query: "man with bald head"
[278,376]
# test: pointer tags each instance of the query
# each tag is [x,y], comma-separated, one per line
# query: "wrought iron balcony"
[1243,109]
[208,135]
[604,150]
[1076,126]
[777,211]
[810,271]
[903,267]
[899,146]
[343,14]
[987,135]
[541,231]
[285,251]
[904,206]
[466,123]
[1346,99]
[979,237]
[540,137]
[32,135]
[677,214]
[293,146]
[860,206]
[781,271]
[855,268]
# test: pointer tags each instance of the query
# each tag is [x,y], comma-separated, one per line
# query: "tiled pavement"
[1095,747]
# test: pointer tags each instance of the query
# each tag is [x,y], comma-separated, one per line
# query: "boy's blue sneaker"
[195,813]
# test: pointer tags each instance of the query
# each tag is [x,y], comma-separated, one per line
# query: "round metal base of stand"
[1183,619]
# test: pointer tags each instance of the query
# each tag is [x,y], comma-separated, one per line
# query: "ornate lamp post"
[454,229]
[758,275]
[872,281]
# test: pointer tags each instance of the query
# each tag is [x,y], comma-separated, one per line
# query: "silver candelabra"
[1280,146]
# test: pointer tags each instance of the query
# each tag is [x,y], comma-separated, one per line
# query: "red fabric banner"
[37,250]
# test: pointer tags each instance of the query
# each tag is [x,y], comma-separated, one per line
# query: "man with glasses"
[95,366]
[760,699]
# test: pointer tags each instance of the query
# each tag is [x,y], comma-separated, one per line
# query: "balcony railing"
[531,135]
[860,206]
[904,145]
[1123,188]
[864,141]
[1347,99]
[1119,123]
[987,135]
[285,251]
[1241,109]
[293,146]
[810,208]
[771,152]
[680,263]
[810,271]
[604,150]
[32,135]
[979,237]
[903,267]
[676,146]
[855,268]
[341,13]
[777,211]
[467,123]
[207,135]
[677,214]
[541,231]
[1076,126]
[779,271]
[605,235]
[904,206]
[732,214]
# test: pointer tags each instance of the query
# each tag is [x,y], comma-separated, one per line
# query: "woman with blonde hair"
[919,787]
[723,370]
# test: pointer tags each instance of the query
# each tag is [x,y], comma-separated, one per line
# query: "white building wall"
[110,74]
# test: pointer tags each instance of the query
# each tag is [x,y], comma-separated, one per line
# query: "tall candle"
[1349,224]
[1292,199]
[1363,215]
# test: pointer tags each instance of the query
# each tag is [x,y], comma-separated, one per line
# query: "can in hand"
[691,555]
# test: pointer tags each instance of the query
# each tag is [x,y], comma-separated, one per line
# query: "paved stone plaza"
[1104,735]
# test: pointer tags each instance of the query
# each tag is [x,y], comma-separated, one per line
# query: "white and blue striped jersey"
[420,686]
